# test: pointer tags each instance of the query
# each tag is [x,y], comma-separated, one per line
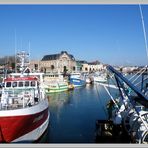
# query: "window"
[14,84]
[20,84]
[32,83]
[8,84]
[27,83]
[36,66]
[74,68]
[52,67]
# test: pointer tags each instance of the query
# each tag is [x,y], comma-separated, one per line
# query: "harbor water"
[73,114]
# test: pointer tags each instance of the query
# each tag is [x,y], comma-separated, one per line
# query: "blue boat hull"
[77,82]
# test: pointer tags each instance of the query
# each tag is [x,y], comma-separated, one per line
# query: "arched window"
[65,71]
[52,67]
[86,69]
[44,70]
[74,68]
[36,66]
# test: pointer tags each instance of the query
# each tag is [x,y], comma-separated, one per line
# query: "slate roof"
[81,61]
[56,56]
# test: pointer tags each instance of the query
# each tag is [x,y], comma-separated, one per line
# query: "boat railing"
[16,99]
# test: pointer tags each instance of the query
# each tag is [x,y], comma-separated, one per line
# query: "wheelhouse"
[24,82]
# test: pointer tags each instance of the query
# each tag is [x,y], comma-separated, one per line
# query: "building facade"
[92,66]
[62,62]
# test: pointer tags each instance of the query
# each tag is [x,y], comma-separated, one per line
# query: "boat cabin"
[21,82]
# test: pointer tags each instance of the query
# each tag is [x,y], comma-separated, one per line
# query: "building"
[62,62]
[79,65]
[35,65]
[95,66]
[92,66]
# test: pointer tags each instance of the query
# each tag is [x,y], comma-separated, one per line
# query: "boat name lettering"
[76,81]
[38,118]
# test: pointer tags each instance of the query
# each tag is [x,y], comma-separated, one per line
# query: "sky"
[112,34]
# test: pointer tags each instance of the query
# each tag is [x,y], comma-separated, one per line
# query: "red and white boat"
[24,112]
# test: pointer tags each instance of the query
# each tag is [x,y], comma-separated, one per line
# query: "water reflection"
[74,114]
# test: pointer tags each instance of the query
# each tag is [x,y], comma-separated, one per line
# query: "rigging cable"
[144,31]
[137,73]
[138,76]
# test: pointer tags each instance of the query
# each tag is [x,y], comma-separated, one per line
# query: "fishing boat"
[54,82]
[56,87]
[88,78]
[100,77]
[24,112]
[77,80]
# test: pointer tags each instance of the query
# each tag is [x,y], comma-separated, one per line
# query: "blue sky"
[111,34]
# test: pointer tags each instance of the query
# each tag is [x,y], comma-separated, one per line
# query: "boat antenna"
[144,32]
[15,49]
[29,52]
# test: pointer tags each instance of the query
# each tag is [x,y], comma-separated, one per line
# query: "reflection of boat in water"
[58,99]
[88,80]
[24,114]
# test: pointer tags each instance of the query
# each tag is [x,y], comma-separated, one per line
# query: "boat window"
[20,84]
[8,84]
[14,84]
[32,83]
[27,83]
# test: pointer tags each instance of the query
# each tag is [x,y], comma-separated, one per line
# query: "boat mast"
[15,51]
[29,52]
[23,61]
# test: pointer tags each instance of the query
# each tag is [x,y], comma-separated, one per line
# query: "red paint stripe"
[20,79]
[17,126]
